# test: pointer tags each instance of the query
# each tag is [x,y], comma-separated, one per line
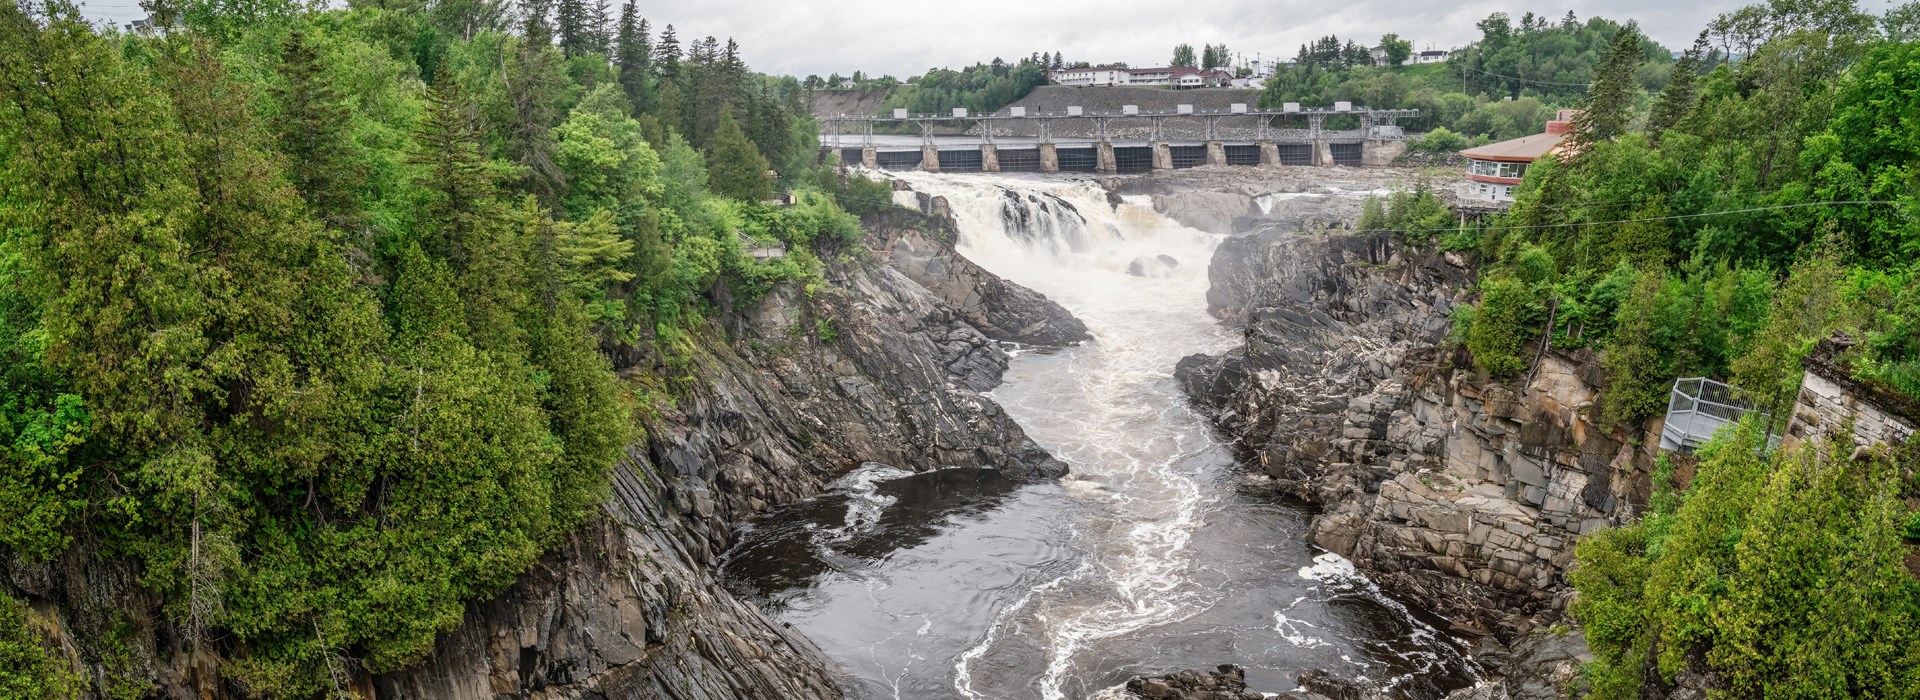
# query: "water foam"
[1131,441]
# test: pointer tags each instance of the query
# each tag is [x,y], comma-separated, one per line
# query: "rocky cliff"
[1461,492]
[760,410]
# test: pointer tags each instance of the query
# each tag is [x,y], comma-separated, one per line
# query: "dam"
[1130,140]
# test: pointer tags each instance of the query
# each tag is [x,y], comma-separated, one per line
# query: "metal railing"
[1698,407]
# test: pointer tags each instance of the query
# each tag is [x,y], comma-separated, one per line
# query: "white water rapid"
[1148,557]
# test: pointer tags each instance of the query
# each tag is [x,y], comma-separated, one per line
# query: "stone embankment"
[1457,491]
[777,398]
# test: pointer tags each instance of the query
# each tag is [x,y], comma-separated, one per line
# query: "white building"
[1172,76]
[1428,56]
[1092,75]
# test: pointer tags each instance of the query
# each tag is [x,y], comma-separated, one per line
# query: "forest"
[1721,226]
[306,312]
[1503,86]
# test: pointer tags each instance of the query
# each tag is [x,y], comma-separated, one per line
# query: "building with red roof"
[1495,170]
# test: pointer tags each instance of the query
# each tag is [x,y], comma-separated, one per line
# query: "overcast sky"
[800,37]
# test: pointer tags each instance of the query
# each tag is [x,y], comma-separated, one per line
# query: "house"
[1428,56]
[1494,170]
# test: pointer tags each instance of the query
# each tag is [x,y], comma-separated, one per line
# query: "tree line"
[1503,86]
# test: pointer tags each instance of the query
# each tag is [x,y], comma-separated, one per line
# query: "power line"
[1528,81]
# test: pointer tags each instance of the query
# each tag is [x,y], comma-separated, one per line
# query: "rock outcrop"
[1226,682]
[872,367]
[761,410]
[920,246]
[1460,492]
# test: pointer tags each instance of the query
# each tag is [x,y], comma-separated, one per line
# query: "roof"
[1525,149]
[1179,71]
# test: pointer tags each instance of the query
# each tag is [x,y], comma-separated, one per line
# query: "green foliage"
[735,167]
[1412,213]
[1504,86]
[982,88]
[1397,49]
[1608,105]
[29,670]
[1780,572]
[1498,326]
[1183,56]
[315,343]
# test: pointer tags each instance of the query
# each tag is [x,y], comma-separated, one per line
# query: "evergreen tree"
[533,86]
[634,58]
[735,168]
[461,182]
[574,23]
[535,28]
[666,56]
[1680,93]
[1608,106]
[312,126]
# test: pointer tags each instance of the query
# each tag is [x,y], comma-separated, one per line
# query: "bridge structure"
[1130,140]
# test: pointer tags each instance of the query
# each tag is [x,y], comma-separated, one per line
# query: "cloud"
[905,38]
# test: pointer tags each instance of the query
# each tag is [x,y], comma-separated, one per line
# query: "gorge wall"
[1452,489]
[764,408]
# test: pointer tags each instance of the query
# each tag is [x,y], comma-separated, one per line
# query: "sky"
[892,37]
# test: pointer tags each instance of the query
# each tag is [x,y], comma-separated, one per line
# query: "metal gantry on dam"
[1130,140]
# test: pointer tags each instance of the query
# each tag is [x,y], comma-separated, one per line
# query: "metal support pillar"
[1046,131]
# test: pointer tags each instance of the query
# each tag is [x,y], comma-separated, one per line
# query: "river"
[1155,554]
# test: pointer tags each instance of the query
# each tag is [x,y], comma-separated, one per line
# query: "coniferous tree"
[535,27]
[601,31]
[734,167]
[573,22]
[532,92]
[1608,106]
[634,59]
[447,147]
[666,56]
[1680,93]
[312,129]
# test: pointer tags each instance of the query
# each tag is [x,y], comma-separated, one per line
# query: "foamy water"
[1148,557]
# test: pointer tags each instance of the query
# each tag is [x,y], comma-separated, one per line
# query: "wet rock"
[1333,687]
[1542,665]
[1156,266]
[1210,211]
[920,246]
[1226,682]
[1461,492]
